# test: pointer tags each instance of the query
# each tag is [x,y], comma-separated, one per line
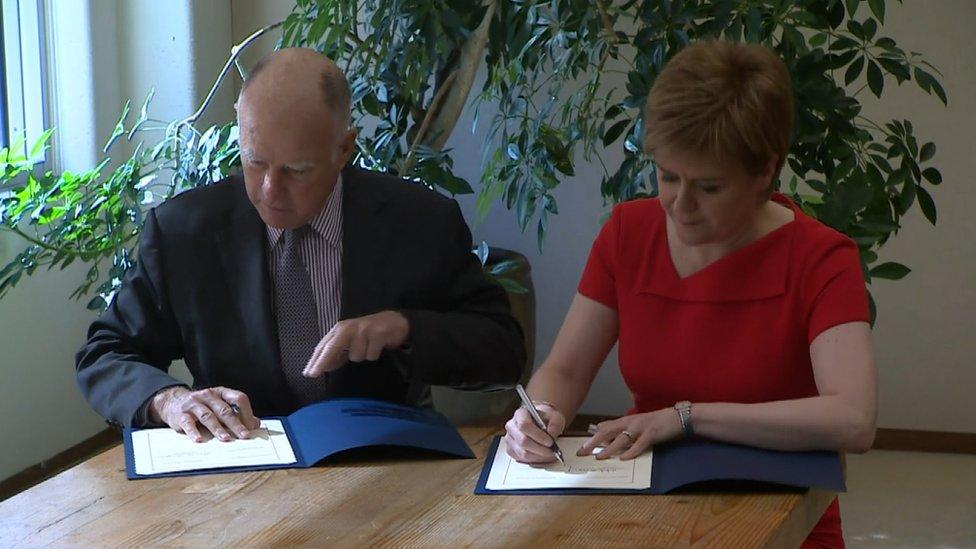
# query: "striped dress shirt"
[321,251]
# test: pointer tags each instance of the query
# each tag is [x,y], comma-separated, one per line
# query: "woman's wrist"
[540,402]
[683,411]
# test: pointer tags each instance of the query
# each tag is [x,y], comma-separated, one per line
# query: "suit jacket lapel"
[241,246]
[364,242]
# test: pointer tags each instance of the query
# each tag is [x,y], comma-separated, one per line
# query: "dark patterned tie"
[298,326]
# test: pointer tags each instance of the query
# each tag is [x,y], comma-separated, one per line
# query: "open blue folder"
[320,430]
[695,461]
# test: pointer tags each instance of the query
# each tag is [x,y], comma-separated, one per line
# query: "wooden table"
[387,502]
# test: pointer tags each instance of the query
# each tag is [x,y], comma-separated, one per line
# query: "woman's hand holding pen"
[629,436]
[528,443]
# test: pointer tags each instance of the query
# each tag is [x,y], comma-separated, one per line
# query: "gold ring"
[628,434]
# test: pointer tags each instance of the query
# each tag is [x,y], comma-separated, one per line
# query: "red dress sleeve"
[599,281]
[835,287]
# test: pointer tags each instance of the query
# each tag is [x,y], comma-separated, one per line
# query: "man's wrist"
[159,400]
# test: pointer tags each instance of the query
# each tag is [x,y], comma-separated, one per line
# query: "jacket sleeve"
[473,342]
[131,345]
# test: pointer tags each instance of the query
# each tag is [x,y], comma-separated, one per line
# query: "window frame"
[23,82]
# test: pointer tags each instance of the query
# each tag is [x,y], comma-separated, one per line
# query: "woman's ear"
[767,176]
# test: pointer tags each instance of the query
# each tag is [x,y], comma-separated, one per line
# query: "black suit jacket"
[201,291]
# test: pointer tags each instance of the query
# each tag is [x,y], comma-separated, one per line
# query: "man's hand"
[224,412]
[356,340]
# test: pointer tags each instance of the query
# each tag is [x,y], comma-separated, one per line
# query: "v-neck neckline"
[729,256]
[738,251]
[755,271]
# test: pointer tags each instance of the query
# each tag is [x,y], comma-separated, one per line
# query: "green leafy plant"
[565,81]
[95,216]
[569,79]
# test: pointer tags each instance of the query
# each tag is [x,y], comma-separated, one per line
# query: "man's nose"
[272,182]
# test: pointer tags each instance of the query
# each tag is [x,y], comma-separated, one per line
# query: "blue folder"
[320,430]
[701,463]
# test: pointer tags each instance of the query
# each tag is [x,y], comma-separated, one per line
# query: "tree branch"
[445,118]
[418,139]
[235,52]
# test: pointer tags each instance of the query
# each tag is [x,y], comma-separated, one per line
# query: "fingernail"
[244,434]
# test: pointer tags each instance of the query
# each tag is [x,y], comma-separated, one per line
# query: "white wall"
[922,338]
[924,335]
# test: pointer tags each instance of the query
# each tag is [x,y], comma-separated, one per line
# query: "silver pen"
[537,419]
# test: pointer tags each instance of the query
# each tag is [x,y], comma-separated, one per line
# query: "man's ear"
[347,146]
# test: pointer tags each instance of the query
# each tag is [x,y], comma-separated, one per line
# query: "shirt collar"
[326,224]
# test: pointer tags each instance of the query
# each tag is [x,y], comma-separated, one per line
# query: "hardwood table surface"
[404,501]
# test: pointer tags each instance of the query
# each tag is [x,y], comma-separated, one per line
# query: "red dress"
[738,330]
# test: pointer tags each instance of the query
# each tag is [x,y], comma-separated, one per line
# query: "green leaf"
[481,252]
[119,128]
[614,132]
[844,43]
[878,9]
[927,205]
[890,271]
[875,79]
[928,151]
[870,29]
[835,15]
[907,196]
[503,267]
[932,175]
[513,151]
[40,144]
[511,286]
[886,43]
[898,69]
[929,84]
[564,165]
[853,70]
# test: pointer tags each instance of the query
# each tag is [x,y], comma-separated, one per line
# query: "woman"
[738,317]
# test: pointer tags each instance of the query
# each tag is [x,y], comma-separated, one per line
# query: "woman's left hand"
[629,436]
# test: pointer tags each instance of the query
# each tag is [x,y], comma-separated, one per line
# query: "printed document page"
[166,451]
[578,472]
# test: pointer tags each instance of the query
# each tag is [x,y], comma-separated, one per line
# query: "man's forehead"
[293,160]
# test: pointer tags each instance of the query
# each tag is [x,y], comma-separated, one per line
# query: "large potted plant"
[554,101]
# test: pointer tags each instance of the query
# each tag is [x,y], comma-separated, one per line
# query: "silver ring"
[629,435]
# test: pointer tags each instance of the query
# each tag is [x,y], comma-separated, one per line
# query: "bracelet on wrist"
[683,410]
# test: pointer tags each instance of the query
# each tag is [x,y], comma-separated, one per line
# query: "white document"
[166,451]
[578,472]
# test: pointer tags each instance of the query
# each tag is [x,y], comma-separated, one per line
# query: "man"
[248,280]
